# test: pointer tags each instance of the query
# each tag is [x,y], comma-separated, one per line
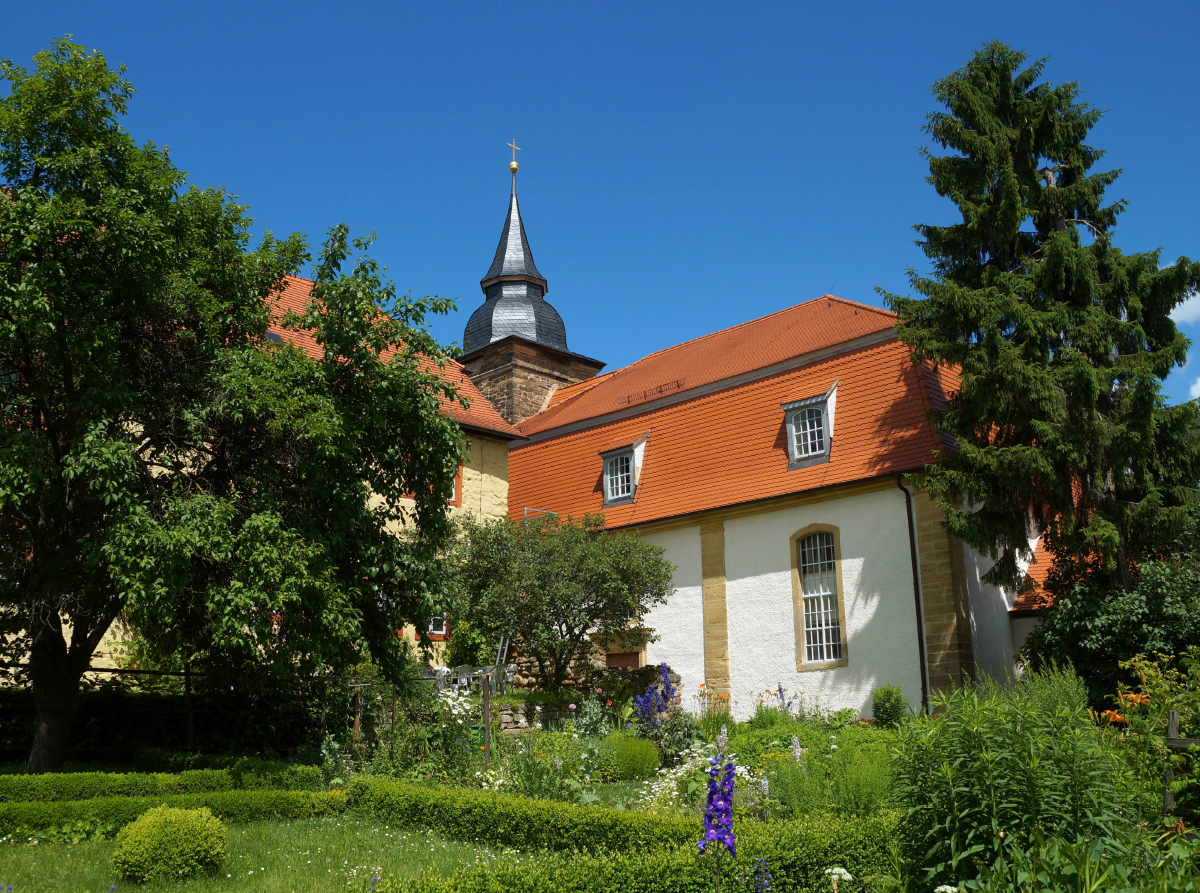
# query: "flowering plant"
[657,701]
[718,835]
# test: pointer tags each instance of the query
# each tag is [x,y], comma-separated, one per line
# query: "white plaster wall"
[680,621]
[993,634]
[880,610]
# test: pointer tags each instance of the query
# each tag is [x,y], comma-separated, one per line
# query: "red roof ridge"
[750,322]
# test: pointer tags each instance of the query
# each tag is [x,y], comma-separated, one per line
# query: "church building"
[772,462]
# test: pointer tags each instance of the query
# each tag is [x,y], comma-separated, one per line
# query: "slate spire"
[513,256]
[515,291]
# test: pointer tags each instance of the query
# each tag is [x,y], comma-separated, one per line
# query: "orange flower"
[1134,699]
[1113,716]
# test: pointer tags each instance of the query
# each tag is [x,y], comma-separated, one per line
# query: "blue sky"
[684,167]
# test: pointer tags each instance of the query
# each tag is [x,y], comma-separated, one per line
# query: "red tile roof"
[481,415]
[1033,595]
[726,446]
[758,344]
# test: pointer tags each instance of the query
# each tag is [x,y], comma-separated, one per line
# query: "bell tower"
[515,343]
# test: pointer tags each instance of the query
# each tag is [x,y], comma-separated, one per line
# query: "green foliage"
[847,775]
[170,843]
[1164,683]
[469,645]
[798,853]
[1083,866]
[673,733]
[1094,629]
[22,820]
[514,821]
[553,583]
[244,775]
[634,757]
[993,763]
[1059,340]
[889,706]
[233,499]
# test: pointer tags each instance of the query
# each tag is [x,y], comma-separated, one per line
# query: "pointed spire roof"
[513,260]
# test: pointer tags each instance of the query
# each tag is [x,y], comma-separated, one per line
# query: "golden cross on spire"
[515,148]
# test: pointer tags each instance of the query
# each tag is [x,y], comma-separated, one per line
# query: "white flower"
[840,873]
[831,747]
[945,888]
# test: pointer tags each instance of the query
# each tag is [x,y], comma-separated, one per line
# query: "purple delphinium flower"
[718,810]
[762,876]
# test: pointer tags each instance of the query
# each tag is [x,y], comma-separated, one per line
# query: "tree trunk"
[56,699]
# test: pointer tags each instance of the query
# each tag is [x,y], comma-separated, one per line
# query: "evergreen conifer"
[1060,341]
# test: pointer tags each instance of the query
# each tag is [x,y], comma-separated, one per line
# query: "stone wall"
[949,653]
[518,376]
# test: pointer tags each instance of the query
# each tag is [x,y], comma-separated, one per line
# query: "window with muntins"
[618,477]
[808,431]
[818,583]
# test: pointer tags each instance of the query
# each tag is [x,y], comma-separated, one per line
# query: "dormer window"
[810,428]
[618,477]
[622,471]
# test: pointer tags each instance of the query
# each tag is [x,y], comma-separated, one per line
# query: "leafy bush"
[169,843]
[39,819]
[993,759]
[1094,629]
[889,706]
[797,854]
[635,757]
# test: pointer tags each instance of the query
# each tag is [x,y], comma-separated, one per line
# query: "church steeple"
[514,291]
[515,344]
[513,260]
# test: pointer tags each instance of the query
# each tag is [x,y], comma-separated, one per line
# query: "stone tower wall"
[518,376]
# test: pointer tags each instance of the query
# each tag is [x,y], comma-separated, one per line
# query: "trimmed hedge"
[514,821]
[797,854]
[232,806]
[90,785]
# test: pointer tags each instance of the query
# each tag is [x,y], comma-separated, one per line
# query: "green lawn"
[266,857]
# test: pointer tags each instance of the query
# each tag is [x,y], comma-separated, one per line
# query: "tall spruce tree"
[1061,342]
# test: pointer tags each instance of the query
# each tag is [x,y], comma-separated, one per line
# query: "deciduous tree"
[160,457]
[550,584]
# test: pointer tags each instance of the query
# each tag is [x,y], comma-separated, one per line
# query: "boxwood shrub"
[89,785]
[169,843]
[27,819]
[519,822]
[796,852]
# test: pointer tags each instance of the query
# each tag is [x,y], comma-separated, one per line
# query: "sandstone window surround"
[818,598]
[810,428]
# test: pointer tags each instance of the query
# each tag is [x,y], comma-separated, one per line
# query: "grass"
[265,857]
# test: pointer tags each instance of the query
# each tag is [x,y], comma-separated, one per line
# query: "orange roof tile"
[728,446]
[1033,595]
[481,415]
[758,344]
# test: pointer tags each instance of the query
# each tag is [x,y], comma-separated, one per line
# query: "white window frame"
[437,620]
[613,463]
[796,413]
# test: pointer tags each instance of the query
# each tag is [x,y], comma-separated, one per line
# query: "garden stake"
[392,750]
[1172,732]
[187,703]
[487,724]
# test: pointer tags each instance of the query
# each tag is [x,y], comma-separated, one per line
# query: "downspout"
[916,575]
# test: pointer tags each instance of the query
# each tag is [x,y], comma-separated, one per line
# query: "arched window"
[818,603]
